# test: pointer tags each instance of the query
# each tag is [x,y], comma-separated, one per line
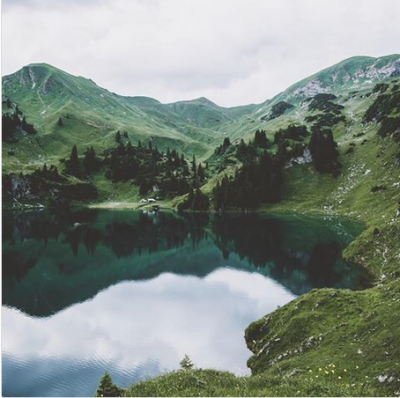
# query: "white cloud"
[233,52]
[133,324]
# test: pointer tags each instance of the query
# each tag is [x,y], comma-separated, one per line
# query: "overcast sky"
[231,51]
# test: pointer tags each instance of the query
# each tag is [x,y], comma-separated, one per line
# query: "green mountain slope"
[358,74]
[91,115]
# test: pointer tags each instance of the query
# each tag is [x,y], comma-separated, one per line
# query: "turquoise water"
[132,292]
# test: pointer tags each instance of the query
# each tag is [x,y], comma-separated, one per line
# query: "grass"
[204,383]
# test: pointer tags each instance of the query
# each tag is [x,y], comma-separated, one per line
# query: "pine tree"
[72,164]
[324,151]
[200,173]
[260,139]
[90,161]
[194,164]
[186,363]
[118,137]
[60,122]
[107,388]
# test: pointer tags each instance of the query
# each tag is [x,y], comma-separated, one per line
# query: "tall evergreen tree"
[200,173]
[72,164]
[90,161]
[324,150]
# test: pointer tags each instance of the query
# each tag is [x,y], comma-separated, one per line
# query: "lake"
[133,292]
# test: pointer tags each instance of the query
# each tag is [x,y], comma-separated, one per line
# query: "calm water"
[131,293]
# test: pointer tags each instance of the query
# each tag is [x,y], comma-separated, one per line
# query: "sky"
[233,52]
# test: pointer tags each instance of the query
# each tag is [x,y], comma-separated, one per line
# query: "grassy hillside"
[91,115]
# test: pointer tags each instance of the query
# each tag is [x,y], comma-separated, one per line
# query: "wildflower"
[316,376]
[326,372]
[310,371]
[333,371]
[345,370]
[320,369]
[339,378]
[357,367]
[333,366]
[366,377]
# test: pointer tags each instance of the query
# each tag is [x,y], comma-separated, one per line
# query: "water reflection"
[51,262]
[132,292]
[146,325]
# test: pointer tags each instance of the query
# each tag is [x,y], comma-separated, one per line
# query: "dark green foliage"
[245,152]
[325,119]
[382,107]
[377,188]
[331,112]
[390,126]
[46,185]
[194,169]
[107,388]
[380,88]
[60,122]
[200,173]
[12,123]
[381,111]
[324,102]
[91,163]
[49,174]
[72,165]
[258,181]
[277,110]
[222,148]
[149,168]
[9,126]
[195,200]
[260,139]
[324,151]
[292,132]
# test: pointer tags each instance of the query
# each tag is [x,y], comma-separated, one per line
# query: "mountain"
[356,74]
[91,115]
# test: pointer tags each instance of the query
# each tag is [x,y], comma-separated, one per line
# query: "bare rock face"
[311,89]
